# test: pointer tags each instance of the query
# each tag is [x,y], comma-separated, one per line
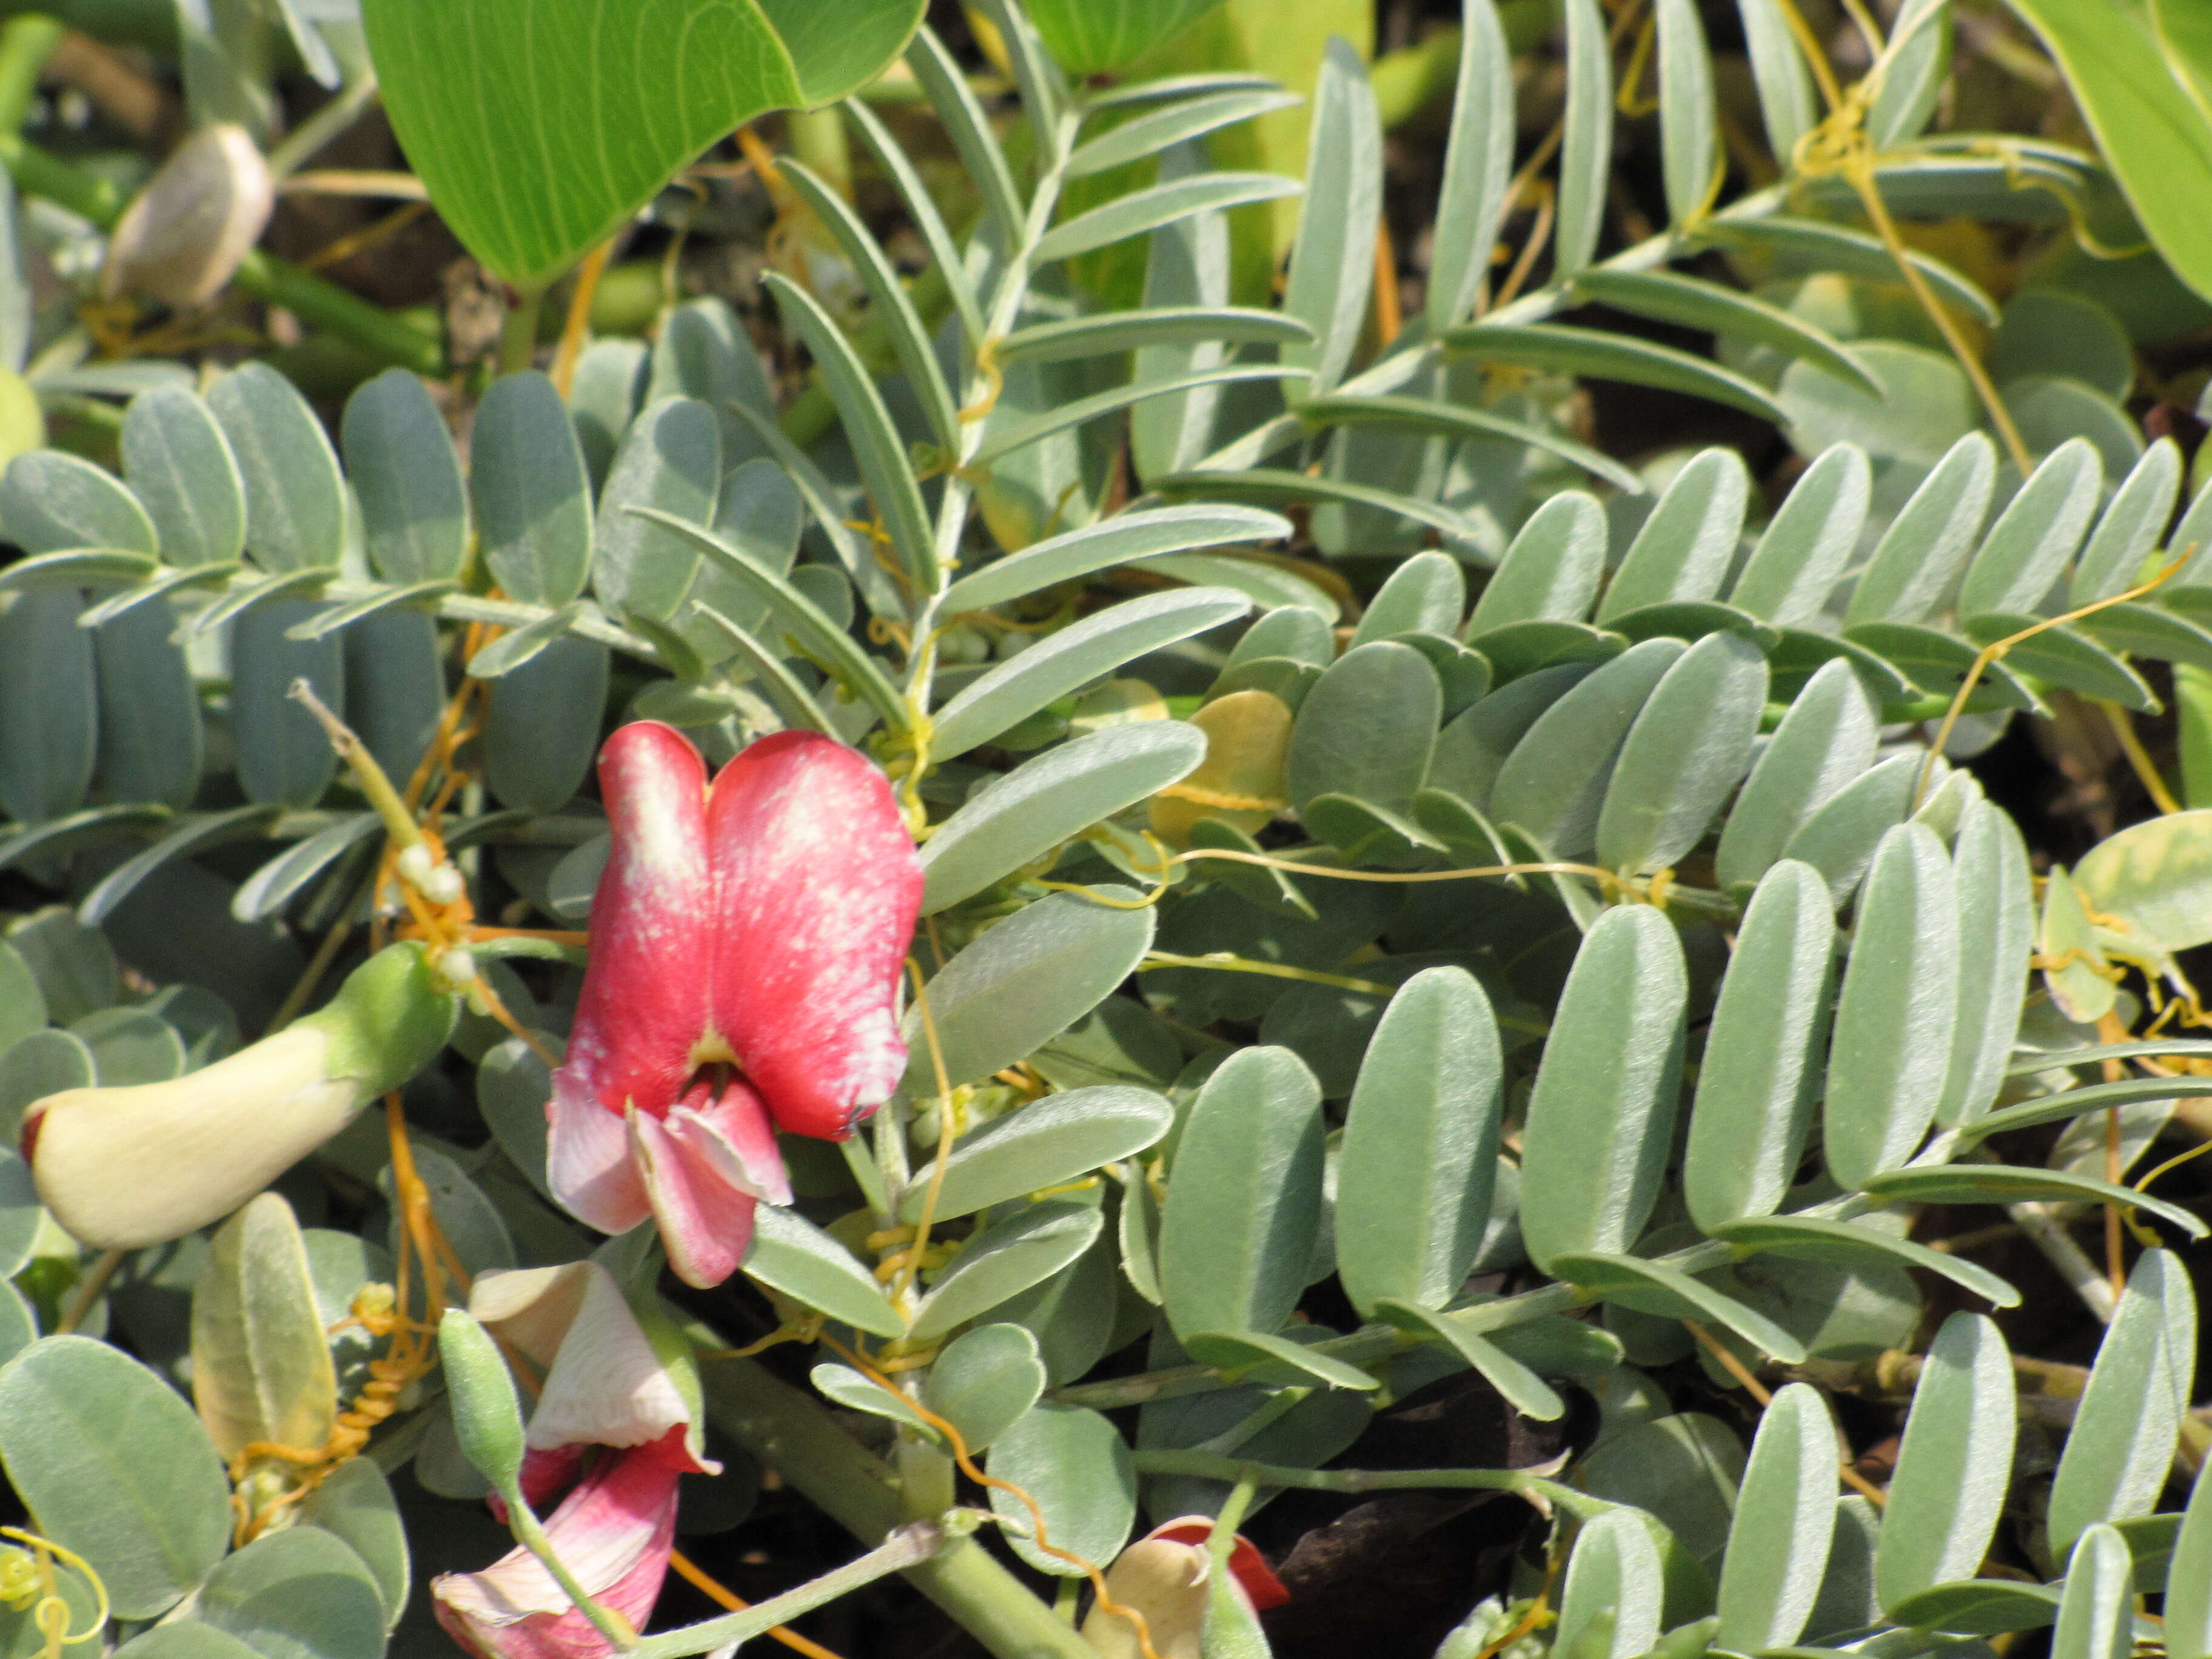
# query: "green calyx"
[388,1020]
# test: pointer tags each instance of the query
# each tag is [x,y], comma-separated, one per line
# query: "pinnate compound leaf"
[605,113]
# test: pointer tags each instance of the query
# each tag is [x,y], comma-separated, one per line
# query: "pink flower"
[612,1410]
[746,945]
[613,1531]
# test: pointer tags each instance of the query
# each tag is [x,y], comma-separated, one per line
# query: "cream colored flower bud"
[122,1167]
[1165,1582]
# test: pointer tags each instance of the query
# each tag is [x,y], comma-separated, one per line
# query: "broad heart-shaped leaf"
[1087,36]
[984,1381]
[541,125]
[1420,1145]
[1076,1465]
[1244,1196]
[798,1258]
[1760,1074]
[1601,1121]
[2151,131]
[2156,879]
[261,1364]
[1022,984]
[1954,1465]
[1898,1010]
[1004,1260]
[1061,1138]
[1785,1519]
[299,1593]
[2120,1449]
[112,1464]
[1044,802]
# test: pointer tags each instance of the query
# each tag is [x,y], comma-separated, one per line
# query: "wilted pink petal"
[587,1162]
[705,1222]
[613,1532]
[816,888]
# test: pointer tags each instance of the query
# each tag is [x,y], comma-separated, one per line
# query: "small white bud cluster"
[457,966]
[436,880]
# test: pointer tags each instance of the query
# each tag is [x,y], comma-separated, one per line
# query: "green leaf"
[1478,163]
[2120,1449]
[1787,105]
[1689,123]
[1076,1466]
[1368,728]
[531,491]
[1693,302]
[111,1463]
[43,1063]
[1785,1517]
[1954,1465]
[943,253]
[151,742]
[2097,1612]
[1684,549]
[1005,439]
[296,491]
[1147,209]
[1601,1120]
[1072,657]
[1553,783]
[1897,1011]
[793,1255]
[2189,1581]
[2036,533]
[944,82]
[1825,742]
[278,882]
[1131,536]
[1980,1607]
[1611,1602]
[1109,333]
[48,705]
[1262,483]
[283,755]
[177,463]
[2150,122]
[1060,1138]
[1550,571]
[1760,1075]
[1420,1145]
[354,1501]
[19,1213]
[1808,542]
[1456,420]
[542,724]
[187,1640]
[1809,1238]
[670,462]
[1163,128]
[1004,1259]
[1684,754]
[1050,800]
[1654,1287]
[51,502]
[1822,245]
[401,461]
[1331,271]
[1996,934]
[2132,525]
[1023,983]
[1244,1196]
[1557,348]
[605,125]
[299,1593]
[2156,877]
[984,1381]
[1088,36]
[2005,1183]
[261,1365]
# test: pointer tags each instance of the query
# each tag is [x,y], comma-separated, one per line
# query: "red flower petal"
[705,1222]
[817,887]
[1246,1564]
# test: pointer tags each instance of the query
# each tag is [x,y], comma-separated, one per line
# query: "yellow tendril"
[27,1581]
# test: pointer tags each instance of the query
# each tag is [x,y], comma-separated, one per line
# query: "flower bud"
[127,1167]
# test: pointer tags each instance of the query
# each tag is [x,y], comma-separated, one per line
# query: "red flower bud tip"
[746,945]
[1246,1564]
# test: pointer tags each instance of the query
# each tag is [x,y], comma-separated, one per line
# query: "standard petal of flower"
[644,1002]
[587,1162]
[605,1385]
[705,1222]
[613,1532]
[817,887]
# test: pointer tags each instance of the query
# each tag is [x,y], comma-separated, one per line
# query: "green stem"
[1207,1465]
[307,297]
[518,334]
[790,1433]
[523,1522]
[908,1547]
[26,43]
